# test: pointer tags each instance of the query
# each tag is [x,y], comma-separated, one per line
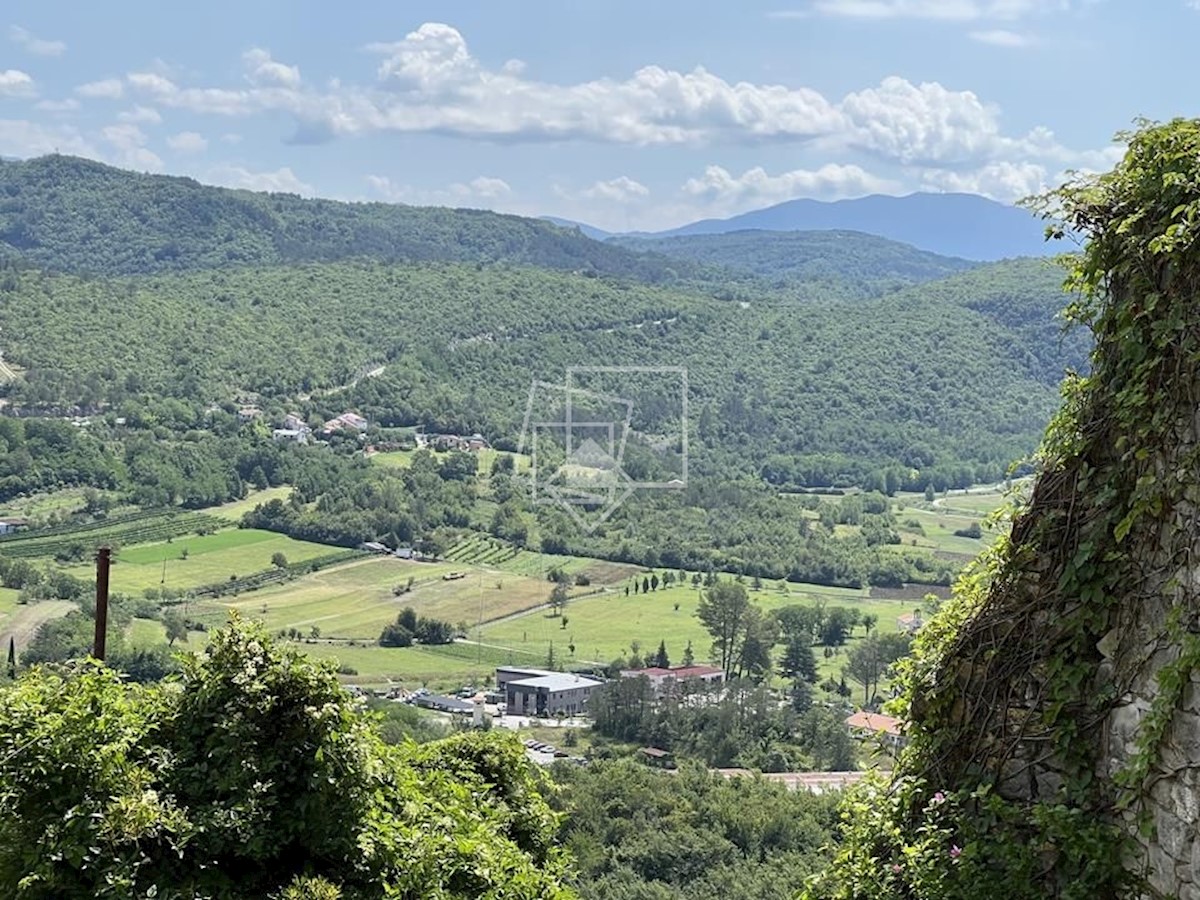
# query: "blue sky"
[627,115]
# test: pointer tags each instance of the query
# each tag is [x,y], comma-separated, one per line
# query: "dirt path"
[24,623]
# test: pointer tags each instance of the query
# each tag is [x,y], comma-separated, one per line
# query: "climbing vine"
[1009,688]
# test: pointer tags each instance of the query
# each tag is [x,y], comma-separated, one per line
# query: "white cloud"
[129,143]
[921,123]
[187,142]
[261,69]
[483,190]
[945,10]
[15,83]
[1004,181]
[70,104]
[1000,37]
[35,45]
[231,138]
[140,114]
[724,193]
[108,89]
[23,138]
[617,190]
[282,181]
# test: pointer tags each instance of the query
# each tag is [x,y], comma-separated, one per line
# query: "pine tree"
[12,657]
[660,658]
[689,658]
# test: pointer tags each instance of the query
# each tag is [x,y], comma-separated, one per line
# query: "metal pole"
[103,561]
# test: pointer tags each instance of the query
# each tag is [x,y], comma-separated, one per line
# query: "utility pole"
[103,562]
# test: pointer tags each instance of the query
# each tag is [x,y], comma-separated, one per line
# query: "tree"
[724,610]
[558,597]
[314,632]
[278,560]
[395,635]
[660,658]
[799,662]
[835,627]
[12,657]
[273,773]
[653,581]
[176,626]
[645,585]
[689,658]
[869,621]
[864,664]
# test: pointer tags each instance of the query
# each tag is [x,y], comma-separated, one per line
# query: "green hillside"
[75,215]
[958,375]
[863,263]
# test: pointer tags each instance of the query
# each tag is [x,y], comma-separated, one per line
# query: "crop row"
[78,543]
[267,577]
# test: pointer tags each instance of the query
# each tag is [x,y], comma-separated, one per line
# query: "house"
[9,524]
[347,421]
[665,681]
[374,547]
[295,422]
[657,757]
[874,725]
[403,553]
[910,623]
[290,435]
[549,695]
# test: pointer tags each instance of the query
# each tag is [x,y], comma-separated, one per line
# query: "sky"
[625,115]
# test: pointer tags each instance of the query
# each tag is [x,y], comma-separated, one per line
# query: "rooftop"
[557,681]
[868,721]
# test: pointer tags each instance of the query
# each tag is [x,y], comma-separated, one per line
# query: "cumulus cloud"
[107,89]
[617,190]
[1003,181]
[429,82]
[723,192]
[129,147]
[140,114]
[15,83]
[1000,37]
[262,69]
[187,142]
[480,190]
[35,45]
[280,181]
[23,138]
[70,104]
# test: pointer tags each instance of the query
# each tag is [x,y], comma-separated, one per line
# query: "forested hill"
[871,265]
[69,214]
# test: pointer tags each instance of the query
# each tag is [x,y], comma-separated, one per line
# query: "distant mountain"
[596,234]
[69,214]
[962,225]
[872,264]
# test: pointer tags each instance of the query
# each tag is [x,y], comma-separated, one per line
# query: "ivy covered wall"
[1054,707]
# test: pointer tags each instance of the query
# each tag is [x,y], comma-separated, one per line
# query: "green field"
[604,627]
[210,558]
[355,601]
[235,509]
[8,600]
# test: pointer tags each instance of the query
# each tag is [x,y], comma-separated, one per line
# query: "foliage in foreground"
[641,833]
[254,774]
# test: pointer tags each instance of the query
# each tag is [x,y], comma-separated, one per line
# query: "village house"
[295,422]
[910,623]
[291,435]
[9,524]
[667,681]
[347,421]
[864,725]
